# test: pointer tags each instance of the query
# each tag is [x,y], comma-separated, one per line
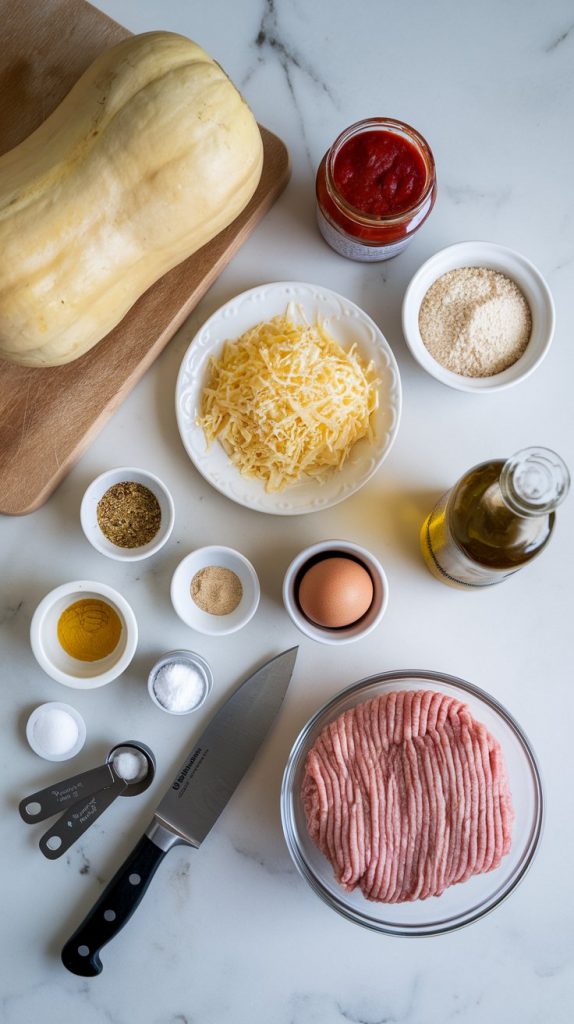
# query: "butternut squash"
[150,155]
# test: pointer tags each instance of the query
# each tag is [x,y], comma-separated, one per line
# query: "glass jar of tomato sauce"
[375,186]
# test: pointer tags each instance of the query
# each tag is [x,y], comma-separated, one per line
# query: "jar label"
[445,559]
[355,250]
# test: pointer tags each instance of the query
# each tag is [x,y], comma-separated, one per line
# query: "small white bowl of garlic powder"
[478,317]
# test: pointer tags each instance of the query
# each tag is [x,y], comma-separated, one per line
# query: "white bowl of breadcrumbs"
[478,317]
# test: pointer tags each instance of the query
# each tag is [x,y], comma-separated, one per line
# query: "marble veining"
[310,1007]
[78,860]
[460,194]
[9,612]
[269,35]
[270,41]
[230,933]
[272,867]
[559,40]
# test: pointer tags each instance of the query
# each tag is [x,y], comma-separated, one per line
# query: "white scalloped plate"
[347,323]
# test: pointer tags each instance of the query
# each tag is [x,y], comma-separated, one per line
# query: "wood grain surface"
[49,416]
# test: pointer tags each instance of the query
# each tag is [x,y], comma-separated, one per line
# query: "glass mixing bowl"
[460,904]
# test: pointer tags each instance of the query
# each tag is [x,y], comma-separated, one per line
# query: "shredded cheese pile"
[286,401]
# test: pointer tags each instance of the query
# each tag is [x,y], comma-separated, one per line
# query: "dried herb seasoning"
[129,514]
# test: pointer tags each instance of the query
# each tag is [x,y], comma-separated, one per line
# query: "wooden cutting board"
[49,416]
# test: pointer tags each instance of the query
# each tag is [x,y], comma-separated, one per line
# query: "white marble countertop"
[231,934]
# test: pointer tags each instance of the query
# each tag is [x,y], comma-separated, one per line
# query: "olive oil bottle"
[496,519]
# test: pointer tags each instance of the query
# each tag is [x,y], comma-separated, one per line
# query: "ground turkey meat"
[407,794]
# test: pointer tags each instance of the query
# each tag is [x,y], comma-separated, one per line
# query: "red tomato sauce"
[380,173]
[375,187]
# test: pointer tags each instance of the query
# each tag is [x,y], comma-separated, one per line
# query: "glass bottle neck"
[534,482]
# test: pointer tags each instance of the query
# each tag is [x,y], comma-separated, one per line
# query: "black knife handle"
[113,909]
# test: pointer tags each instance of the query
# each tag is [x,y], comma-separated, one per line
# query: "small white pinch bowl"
[345,634]
[204,622]
[50,655]
[89,513]
[495,257]
[60,707]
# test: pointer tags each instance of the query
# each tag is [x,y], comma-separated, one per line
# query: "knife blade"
[189,809]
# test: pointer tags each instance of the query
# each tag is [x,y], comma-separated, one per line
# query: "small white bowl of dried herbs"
[127,514]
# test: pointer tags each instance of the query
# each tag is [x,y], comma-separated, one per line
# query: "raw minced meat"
[407,794]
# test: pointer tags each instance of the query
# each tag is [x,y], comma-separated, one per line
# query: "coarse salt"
[179,686]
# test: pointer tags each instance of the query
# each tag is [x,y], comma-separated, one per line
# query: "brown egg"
[335,592]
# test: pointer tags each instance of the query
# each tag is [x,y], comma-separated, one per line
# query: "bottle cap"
[534,481]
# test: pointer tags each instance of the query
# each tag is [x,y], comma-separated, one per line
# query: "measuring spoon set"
[84,797]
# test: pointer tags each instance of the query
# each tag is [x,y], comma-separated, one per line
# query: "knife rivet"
[84,950]
[134,879]
[109,915]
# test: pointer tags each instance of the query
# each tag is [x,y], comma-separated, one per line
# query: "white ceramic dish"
[89,516]
[198,663]
[522,272]
[347,323]
[185,606]
[460,904]
[61,707]
[357,630]
[81,675]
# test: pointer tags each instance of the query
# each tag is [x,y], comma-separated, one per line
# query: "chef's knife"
[191,806]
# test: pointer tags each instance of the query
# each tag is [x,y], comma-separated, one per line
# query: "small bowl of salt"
[56,731]
[180,682]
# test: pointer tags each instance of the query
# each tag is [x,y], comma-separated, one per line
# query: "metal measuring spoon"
[78,818]
[47,802]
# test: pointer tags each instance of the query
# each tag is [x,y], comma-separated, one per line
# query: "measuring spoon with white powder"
[128,771]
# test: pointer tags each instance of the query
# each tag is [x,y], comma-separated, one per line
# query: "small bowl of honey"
[84,634]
